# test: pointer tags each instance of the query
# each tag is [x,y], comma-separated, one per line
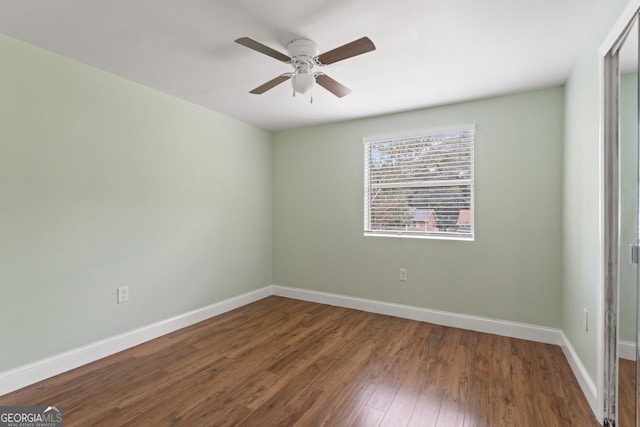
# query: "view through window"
[420,185]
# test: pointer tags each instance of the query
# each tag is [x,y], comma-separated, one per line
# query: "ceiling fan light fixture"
[303,82]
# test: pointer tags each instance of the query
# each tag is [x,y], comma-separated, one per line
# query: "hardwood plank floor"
[626,393]
[283,362]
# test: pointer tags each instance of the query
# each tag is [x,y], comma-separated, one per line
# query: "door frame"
[608,301]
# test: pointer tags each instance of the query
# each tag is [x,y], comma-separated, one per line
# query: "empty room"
[340,213]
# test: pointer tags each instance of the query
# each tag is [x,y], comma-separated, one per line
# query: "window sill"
[420,236]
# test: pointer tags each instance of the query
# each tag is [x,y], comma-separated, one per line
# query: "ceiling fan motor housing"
[303,53]
[302,50]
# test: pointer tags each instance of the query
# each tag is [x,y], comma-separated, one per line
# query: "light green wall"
[511,271]
[105,183]
[628,203]
[581,231]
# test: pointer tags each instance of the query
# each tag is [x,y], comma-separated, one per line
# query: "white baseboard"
[627,349]
[462,321]
[29,374]
[587,385]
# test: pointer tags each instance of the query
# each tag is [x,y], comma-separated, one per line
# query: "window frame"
[366,143]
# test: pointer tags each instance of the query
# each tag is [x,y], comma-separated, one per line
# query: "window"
[420,185]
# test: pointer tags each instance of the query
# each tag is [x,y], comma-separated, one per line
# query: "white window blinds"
[420,185]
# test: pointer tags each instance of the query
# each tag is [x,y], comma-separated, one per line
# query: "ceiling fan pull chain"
[311,98]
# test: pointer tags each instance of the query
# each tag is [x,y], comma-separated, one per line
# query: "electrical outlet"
[123,294]
[585,319]
[403,274]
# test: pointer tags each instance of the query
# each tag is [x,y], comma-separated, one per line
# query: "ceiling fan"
[303,57]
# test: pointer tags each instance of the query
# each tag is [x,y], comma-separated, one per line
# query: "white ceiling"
[429,52]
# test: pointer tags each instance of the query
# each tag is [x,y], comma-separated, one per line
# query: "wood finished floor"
[281,362]
[626,393]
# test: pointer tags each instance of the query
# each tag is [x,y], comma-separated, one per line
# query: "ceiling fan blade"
[257,46]
[332,86]
[271,84]
[355,48]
